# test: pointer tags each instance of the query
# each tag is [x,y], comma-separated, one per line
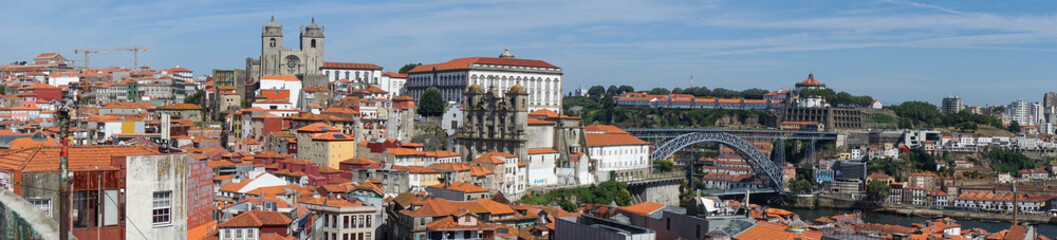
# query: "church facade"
[304,62]
[493,122]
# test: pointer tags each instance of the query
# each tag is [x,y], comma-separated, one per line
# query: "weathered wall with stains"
[150,174]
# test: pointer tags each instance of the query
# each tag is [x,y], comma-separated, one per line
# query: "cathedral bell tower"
[271,46]
[312,46]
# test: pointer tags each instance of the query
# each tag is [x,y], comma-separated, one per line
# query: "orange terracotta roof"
[545,113]
[181,106]
[487,158]
[404,152]
[318,127]
[775,231]
[458,167]
[395,75]
[464,63]
[200,231]
[642,209]
[280,77]
[542,151]
[594,140]
[46,159]
[421,170]
[256,219]
[371,89]
[478,171]
[359,161]
[344,65]
[461,187]
[333,136]
[441,153]
[534,121]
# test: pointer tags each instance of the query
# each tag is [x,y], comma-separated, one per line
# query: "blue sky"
[988,52]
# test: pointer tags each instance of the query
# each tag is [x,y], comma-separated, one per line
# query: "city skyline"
[987,53]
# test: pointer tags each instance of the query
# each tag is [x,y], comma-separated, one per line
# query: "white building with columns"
[542,81]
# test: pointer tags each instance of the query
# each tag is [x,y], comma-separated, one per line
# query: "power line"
[126,216]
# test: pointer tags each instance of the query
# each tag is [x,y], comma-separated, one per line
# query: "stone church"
[494,123]
[303,62]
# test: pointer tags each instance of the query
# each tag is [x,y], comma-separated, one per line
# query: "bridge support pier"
[663,191]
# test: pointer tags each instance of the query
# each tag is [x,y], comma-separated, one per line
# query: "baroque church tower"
[494,123]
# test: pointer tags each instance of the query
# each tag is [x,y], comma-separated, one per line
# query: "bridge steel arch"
[766,170]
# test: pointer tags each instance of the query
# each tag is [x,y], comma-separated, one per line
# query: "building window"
[43,203]
[162,207]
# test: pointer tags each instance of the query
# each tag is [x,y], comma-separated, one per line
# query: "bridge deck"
[751,133]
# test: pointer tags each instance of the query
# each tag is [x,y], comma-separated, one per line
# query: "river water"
[807,215]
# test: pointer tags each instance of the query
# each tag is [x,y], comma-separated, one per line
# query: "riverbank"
[958,214]
[821,202]
[881,217]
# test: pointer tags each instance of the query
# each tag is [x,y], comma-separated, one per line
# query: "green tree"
[658,91]
[625,89]
[663,165]
[195,98]
[800,186]
[432,103]
[596,91]
[407,67]
[1014,127]
[677,91]
[878,191]
[1009,161]
[917,111]
[753,93]
[612,91]
[725,93]
[881,165]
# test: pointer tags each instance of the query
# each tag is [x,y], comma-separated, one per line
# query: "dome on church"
[517,89]
[313,25]
[271,26]
[506,54]
[810,81]
[474,88]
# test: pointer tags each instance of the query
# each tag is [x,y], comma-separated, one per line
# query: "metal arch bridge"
[762,134]
[766,170]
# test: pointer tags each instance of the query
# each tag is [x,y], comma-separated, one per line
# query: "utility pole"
[1016,205]
[63,117]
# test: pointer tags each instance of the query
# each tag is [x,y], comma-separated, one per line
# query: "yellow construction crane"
[134,50]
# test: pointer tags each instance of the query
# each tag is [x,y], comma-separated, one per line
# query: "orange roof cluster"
[776,231]
[46,159]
